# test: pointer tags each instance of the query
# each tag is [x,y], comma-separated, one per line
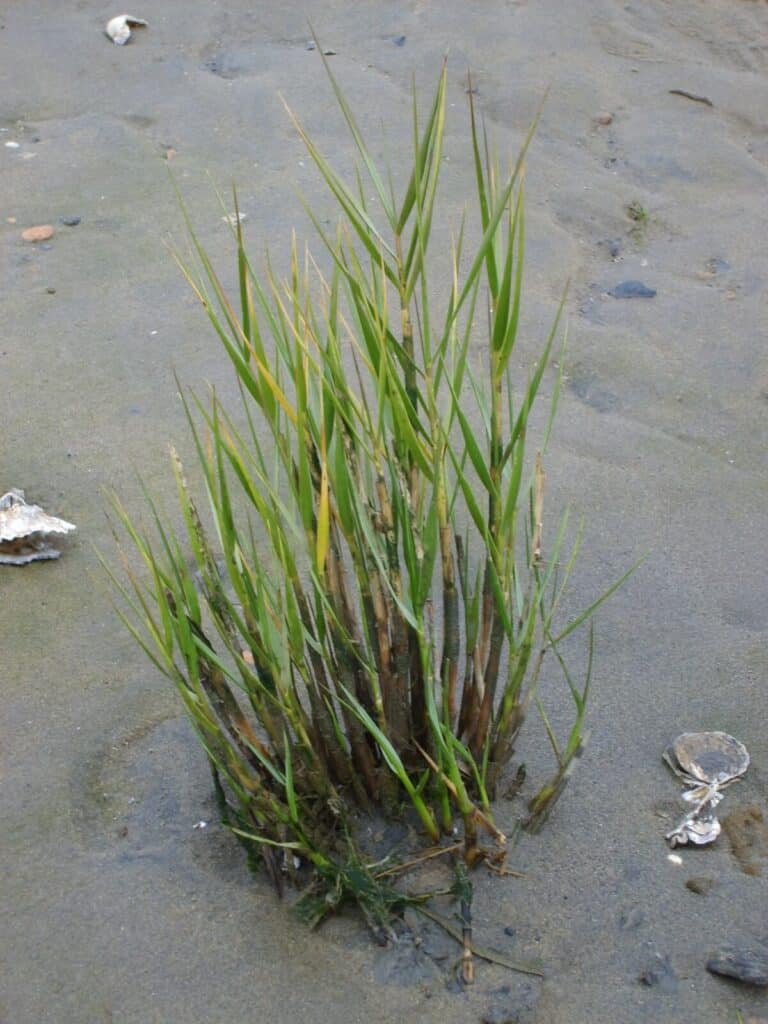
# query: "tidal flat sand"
[650,165]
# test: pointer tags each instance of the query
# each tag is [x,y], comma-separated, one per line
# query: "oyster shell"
[707,762]
[709,757]
[119,28]
[26,531]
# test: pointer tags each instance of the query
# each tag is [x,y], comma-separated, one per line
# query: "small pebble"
[701,886]
[38,234]
[12,145]
[70,222]
[399,40]
[631,290]
[604,119]
[51,291]
[509,931]
[744,963]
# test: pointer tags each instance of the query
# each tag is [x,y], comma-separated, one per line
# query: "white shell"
[696,830]
[25,531]
[119,27]
[712,757]
[707,762]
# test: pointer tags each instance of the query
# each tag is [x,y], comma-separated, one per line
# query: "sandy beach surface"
[114,907]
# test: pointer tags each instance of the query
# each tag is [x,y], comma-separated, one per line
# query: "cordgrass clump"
[361,629]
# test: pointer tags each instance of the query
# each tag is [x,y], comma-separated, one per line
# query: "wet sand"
[115,908]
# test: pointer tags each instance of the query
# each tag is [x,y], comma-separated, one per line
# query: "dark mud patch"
[514,1003]
[237,61]
[747,833]
[135,780]
[408,961]
[586,385]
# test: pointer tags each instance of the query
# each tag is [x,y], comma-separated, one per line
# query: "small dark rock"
[631,290]
[660,975]
[51,291]
[744,963]
[70,222]
[510,931]
[700,885]
[398,40]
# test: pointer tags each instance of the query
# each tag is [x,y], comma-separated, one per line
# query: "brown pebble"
[701,886]
[170,153]
[604,119]
[39,233]
[51,291]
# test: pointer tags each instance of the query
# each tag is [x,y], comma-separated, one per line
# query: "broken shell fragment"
[119,28]
[26,531]
[707,762]
[699,830]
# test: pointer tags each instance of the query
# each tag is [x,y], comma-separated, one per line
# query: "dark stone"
[744,963]
[399,40]
[660,975]
[631,290]
[510,931]
[70,222]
